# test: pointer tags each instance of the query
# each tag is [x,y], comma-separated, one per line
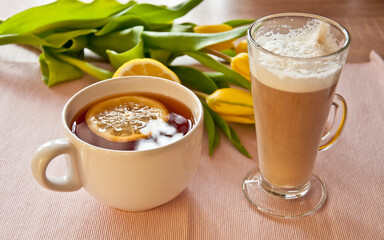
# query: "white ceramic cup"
[128,180]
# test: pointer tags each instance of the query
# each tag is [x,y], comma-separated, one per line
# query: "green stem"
[200,94]
[92,70]
[217,54]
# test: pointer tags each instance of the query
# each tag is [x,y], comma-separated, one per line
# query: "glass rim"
[305,15]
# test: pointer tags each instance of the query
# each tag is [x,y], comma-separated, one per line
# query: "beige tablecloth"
[213,206]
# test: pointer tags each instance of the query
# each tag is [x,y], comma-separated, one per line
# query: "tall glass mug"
[295,62]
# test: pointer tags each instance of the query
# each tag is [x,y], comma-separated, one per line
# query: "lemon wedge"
[146,67]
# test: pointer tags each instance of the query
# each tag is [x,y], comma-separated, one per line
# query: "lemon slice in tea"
[120,119]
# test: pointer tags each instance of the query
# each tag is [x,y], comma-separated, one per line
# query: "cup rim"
[198,118]
[341,50]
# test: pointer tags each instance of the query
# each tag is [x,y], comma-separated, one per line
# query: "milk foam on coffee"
[291,74]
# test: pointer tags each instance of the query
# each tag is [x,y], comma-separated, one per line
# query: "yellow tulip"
[216,29]
[241,46]
[240,64]
[248,119]
[234,105]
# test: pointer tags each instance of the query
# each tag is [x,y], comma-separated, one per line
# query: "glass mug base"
[284,203]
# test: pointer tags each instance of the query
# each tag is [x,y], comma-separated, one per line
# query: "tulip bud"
[234,105]
[216,29]
[241,46]
[240,64]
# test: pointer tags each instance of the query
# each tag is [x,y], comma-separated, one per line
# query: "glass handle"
[331,135]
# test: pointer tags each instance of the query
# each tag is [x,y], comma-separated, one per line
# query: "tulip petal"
[231,101]
[248,119]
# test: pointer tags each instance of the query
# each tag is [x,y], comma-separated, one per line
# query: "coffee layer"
[289,127]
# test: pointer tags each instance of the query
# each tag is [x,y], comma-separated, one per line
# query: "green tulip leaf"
[183,27]
[119,46]
[160,14]
[63,14]
[25,38]
[239,22]
[55,40]
[87,67]
[59,39]
[229,52]
[74,45]
[118,59]
[213,134]
[194,79]
[232,76]
[160,55]
[221,80]
[128,21]
[188,41]
[237,143]
[228,131]
[54,70]
[167,56]
[216,140]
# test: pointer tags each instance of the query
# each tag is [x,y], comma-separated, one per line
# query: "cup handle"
[330,138]
[45,154]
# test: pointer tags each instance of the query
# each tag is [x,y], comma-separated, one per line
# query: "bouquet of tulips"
[120,32]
